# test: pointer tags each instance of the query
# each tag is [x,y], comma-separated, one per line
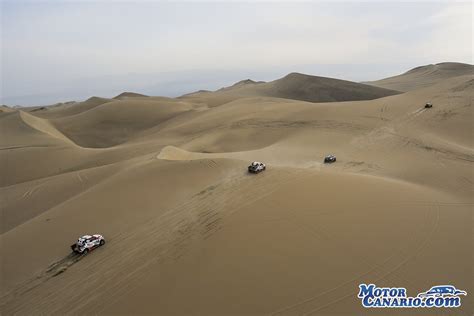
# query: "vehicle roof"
[90,236]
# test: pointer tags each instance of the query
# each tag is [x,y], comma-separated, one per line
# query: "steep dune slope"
[302,87]
[115,122]
[424,76]
[32,148]
[18,133]
[43,126]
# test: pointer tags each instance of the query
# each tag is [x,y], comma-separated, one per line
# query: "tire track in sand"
[376,273]
[165,237]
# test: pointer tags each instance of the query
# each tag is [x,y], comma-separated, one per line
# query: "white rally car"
[88,243]
[256,167]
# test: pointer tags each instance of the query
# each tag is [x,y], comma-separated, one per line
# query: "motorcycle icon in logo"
[442,290]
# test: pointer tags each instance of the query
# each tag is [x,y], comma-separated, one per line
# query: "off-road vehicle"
[87,243]
[329,159]
[256,167]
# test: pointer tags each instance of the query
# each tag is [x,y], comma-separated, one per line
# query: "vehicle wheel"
[85,252]
[102,242]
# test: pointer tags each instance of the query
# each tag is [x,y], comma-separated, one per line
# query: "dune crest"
[424,76]
[125,95]
[44,126]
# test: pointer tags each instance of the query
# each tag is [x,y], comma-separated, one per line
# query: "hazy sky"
[61,50]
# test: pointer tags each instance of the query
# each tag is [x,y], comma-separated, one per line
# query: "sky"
[54,51]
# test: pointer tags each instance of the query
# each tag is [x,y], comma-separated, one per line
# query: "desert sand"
[190,232]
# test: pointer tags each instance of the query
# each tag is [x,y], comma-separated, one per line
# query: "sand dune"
[29,196]
[43,126]
[297,86]
[113,123]
[190,232]
[69,109]
[424,76]
[5,109]
[125,95]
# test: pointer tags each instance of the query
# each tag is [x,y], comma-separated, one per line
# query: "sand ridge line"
[45,126]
